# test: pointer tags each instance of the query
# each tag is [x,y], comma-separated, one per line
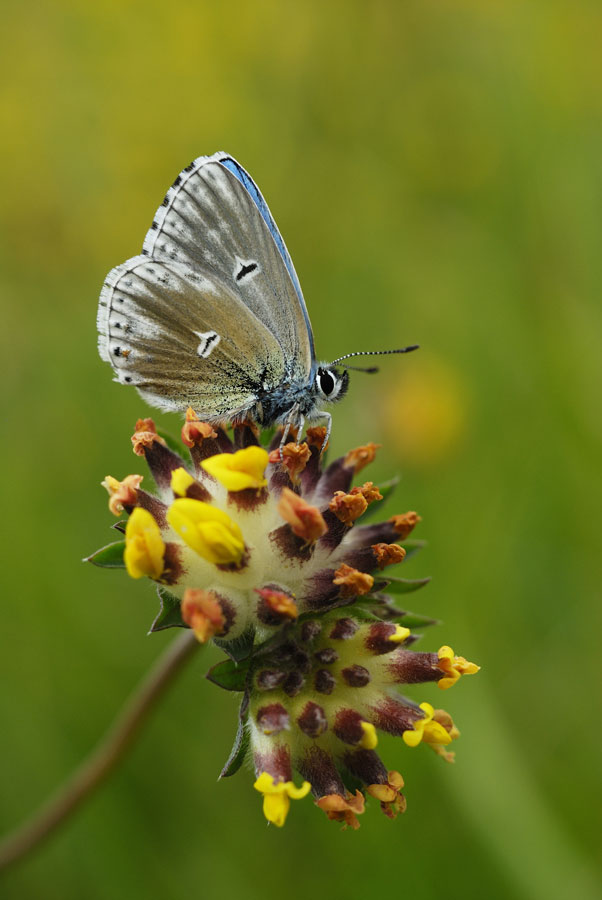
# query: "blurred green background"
[434,168]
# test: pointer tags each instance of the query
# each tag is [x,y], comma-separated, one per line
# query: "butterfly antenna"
[372,369]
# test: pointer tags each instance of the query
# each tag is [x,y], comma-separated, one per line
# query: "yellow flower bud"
[239,471]
[207,530]
[370,739]
[181,481]
[399,635]
[144,546]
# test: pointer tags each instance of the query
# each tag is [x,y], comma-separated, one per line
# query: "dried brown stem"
[103,759]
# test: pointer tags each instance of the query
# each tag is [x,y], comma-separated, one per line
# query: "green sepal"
[241,741]
[386,489]
[404,585]
[413,620]
[412,547]
[109,557]
[230,675]
[363,613]
[240,648]
[170,615]
[383,608]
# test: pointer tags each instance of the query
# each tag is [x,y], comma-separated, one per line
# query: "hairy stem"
[103,759]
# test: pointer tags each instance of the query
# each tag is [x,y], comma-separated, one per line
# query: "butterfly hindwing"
[184,338]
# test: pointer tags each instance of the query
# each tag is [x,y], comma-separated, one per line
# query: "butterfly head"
[331,385]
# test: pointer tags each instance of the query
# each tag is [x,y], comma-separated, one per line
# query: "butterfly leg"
[328,418]
[294,418]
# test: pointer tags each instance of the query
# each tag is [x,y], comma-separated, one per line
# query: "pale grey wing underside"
[184,338]
[209,221]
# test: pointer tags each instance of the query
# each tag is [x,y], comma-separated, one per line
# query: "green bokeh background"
[435,170]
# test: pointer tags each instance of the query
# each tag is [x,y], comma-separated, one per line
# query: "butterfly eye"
[326,382]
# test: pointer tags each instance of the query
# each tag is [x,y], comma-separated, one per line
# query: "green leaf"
[170,615]
[241,742]
[404,585]
[230,675]
[386,489]
[412,548]
[109,557]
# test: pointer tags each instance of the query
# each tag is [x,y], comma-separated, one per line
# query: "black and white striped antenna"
[372,369]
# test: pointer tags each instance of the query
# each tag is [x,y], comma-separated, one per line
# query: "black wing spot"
[154,226]
[165,200]
[117,351]
[190,167]
[177,181]
[245,269]
[145,252]
[127,378]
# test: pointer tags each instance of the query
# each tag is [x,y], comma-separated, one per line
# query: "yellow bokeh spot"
[144,546]
[239,471]
[425,412]
[208,531]
[277,796]
[181,481]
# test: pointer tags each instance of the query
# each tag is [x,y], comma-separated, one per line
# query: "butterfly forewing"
[218,222]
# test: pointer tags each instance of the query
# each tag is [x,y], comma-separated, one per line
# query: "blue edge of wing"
[248,183]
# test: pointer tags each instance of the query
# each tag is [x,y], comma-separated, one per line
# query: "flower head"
[267,553]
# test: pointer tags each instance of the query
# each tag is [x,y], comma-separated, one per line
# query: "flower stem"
[103,759]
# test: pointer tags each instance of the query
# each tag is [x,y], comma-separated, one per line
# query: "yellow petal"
[144,546]
[276,807]
[413,738]
[181,481]
[434,733]
[239,471]
[297,793]
[207,530]
[264,783]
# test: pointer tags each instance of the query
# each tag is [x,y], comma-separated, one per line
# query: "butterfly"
[211,315]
